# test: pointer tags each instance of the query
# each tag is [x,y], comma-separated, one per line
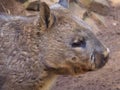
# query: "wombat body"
[34,50]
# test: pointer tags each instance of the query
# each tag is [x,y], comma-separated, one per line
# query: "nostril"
[92,57]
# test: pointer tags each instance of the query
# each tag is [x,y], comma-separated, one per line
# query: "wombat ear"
[46,19]
[66,3]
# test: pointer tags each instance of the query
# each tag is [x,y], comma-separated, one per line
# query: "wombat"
[35,50]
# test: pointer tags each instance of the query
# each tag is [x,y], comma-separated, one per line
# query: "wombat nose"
[100,58]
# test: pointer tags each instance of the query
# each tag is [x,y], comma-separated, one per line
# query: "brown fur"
[31,57]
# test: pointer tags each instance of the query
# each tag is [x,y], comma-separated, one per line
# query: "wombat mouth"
[71,69]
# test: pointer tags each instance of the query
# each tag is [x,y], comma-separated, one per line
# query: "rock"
[98,6]
[80,13]
[92,18]
[115,3]
[98,18]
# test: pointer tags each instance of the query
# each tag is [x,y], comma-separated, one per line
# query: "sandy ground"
[107,78]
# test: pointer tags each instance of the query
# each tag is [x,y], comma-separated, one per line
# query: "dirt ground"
[107,78]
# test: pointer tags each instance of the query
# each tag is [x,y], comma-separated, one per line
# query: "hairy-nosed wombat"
[34,50]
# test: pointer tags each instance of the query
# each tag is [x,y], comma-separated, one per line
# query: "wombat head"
[69,47]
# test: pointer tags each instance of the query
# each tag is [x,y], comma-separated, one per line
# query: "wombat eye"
[78,42]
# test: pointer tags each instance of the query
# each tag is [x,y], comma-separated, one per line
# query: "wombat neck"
[47,81]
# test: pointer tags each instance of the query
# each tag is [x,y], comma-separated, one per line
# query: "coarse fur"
[35,50]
